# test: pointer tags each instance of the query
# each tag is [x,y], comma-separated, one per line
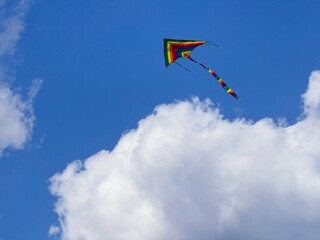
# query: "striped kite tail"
[221,82]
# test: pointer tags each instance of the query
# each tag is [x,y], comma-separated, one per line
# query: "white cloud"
[12,24]
[16,113]
[187,172]
[311,97]
[53,230]
[16,117]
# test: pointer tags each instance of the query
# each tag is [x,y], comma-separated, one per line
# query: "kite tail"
[222,83]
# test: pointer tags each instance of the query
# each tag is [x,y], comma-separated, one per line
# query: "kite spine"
[221,82]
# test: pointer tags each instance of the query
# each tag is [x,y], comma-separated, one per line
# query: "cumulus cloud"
[186,172]
[311,98]
[16,113]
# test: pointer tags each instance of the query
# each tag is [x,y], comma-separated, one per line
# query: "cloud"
[186,172]
[16,117]
[311,97]
[53,230]
[12,24]
[16,113]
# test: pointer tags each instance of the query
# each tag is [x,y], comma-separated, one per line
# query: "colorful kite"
[174,49]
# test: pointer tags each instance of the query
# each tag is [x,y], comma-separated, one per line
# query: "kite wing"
[174,49]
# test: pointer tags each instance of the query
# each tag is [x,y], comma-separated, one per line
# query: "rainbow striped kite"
[174,49]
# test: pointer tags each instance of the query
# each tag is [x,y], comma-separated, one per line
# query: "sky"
[99,140]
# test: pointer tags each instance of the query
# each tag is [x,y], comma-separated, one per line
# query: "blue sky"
[101,68]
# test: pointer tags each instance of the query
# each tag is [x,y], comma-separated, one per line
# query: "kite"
[174,49]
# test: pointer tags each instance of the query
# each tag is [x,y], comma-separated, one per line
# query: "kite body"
[174,49]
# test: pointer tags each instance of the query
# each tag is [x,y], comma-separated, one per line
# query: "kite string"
[183,67]
[221,82]
[214,44]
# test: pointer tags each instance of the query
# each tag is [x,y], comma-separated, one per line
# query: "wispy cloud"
[11,25]
[187,172]
[16,117]
[53,230]
[16,112]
